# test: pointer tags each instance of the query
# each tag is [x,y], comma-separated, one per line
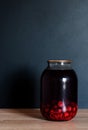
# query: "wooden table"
[31,119]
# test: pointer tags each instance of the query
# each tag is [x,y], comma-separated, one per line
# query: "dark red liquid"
[58,94]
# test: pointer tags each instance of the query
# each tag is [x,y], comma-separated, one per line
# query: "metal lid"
[60,61]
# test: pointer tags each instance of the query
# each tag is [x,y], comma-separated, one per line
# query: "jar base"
[59,112]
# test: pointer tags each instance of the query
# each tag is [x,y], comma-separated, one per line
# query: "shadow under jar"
[58,94]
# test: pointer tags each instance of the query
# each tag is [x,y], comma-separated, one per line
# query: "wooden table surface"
[31,119]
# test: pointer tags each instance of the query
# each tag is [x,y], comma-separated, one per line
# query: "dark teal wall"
[33,31]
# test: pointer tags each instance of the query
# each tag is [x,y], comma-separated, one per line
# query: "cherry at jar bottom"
[59,111]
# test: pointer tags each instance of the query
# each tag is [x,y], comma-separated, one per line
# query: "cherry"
[60,104]
[56,111]
[69,108]
[59,110]
[46,109]
[66,114]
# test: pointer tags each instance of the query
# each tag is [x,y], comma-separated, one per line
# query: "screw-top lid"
[60,61]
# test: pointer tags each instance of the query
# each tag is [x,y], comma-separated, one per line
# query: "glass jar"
[58,92]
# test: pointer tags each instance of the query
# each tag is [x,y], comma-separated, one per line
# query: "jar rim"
[60,61]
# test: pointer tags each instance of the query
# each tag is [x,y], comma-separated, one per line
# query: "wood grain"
[31,119]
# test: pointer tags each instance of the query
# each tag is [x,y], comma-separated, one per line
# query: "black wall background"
[33,31]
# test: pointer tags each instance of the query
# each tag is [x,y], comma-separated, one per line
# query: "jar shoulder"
[61,73]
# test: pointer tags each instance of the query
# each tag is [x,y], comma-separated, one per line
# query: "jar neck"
[59,65]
